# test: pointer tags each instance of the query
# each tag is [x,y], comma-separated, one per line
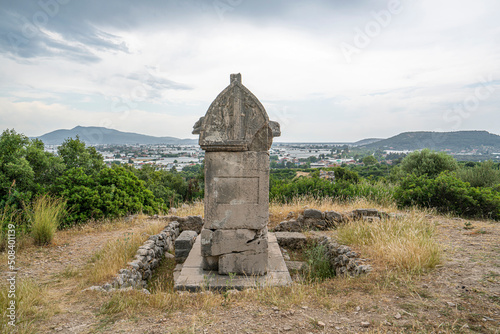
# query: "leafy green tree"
[46,166]
[16,174]
[76,155]
[427,162]
[369,160]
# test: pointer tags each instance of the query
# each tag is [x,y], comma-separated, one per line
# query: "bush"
[448,194]
[46,215]
[285,191]
[480,175]
[114,192]
[427,162]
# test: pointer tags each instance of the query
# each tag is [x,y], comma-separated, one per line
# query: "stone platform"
[194,278]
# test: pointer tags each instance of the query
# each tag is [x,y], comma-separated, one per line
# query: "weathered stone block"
[333,217]
[219,242]
[210,263]
[185,240]
[191,223]
[236,190]
[245,263]
[291,225]
[313,213]
[291,240]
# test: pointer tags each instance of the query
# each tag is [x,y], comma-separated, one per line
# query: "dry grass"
[193,209]
[279,211]
[31,305]
[45,216]
[406,244]
[115,255]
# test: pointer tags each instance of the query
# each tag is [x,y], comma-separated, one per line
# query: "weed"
[318,264]
[468,226]
[31,305]
[45,216]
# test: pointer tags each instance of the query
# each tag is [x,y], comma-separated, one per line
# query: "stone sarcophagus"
[236,135]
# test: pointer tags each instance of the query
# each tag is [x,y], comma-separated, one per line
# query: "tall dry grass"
[106,262]
[279,211]
[31,305]
[406,244]
[45,216]
[192,209]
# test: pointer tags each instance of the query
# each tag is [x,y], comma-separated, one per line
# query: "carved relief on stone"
[236,121]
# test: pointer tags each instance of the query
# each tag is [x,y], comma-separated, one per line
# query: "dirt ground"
[461,295]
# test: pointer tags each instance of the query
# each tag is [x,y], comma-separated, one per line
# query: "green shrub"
[318,264]
[45,215]
[285,191]
[480,175]
[113,192]
[427,162]
[447,193]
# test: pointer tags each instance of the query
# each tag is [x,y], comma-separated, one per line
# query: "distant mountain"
[366,141]
[93,135]
[439,141]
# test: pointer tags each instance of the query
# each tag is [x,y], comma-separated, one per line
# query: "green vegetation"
[447,193]
[426,179]
[78,177]
[45,217]
[427,162]
[318,264]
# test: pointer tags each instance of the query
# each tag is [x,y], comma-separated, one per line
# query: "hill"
[366,141]
[93,135]
[440,141]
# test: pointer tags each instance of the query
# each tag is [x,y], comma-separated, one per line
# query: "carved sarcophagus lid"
[236,121]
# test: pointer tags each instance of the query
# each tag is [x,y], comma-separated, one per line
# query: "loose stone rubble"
[342,259]
[312,219]
[189,223]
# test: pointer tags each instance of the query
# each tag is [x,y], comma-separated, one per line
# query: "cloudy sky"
[327,70]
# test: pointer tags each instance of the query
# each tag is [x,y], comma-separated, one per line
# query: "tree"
[369,160]
[76,155]
[427,162]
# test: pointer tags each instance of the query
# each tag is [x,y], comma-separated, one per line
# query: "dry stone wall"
[312,219]
[147,259]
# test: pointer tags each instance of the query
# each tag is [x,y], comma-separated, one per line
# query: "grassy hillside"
[454,141]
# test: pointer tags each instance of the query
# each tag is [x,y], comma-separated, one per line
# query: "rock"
[450,304]
[397,316]
[190,223]
[183,245]
[169,255]
[333,218]
[371,219]
[220,242]
[291,240]
[321,324]
[247,263]
[295,266]
[291,225]
[365,324]
[313,213]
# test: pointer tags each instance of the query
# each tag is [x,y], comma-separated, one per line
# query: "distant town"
[282,155]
